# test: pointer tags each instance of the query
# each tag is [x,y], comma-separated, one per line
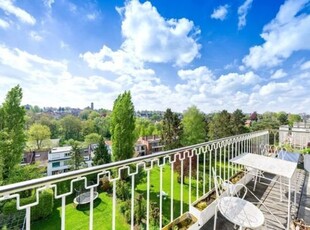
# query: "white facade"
[59,160]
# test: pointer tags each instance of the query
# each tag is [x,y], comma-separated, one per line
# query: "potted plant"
[306,154]
[185,222]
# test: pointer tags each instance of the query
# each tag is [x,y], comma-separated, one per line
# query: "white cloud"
[305,65]
[153,38]
[35,36]
[92,16]
[148,38]
[4,24]
[49,83]
[49,3]
[278,74]
[242,13]
[284,35]
[63,45]
[220,12]
[8,7]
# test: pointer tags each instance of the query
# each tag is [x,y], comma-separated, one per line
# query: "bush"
[40,211]
[105,184]
[123,190]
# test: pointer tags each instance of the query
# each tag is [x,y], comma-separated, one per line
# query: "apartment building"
[59,159]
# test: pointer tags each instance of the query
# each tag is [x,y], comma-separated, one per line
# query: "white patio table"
[274,166]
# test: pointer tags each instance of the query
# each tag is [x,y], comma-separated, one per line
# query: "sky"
[252,55]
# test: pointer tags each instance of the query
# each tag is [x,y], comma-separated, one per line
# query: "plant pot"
[307,162]
[185,222]
[205,212]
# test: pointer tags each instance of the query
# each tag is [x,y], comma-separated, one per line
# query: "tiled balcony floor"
[269,194]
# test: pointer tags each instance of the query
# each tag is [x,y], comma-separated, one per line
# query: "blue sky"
[247,54]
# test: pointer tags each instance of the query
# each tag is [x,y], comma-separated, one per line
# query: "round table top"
[241,212]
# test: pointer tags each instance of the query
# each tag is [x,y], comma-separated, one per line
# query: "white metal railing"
[203,156]
[297,138]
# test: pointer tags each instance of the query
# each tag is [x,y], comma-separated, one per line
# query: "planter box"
[205,211]
[307,162]
[185,222]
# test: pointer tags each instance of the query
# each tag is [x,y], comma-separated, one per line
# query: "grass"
[78,218]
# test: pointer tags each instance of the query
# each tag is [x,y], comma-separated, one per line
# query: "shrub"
[105,184]
[40,211]
[123,190]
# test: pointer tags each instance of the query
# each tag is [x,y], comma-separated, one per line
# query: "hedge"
[40,211]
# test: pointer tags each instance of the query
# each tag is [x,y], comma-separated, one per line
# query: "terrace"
[167,183]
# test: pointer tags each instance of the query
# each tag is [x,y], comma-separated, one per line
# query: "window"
[67,154]
[55,164]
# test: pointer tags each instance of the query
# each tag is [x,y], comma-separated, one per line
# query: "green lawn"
[78,218]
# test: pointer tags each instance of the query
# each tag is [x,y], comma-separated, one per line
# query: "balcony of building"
[159,189]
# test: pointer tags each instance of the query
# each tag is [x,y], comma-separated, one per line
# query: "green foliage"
[52,123]
[306,150]
[39,133]
[12,135]
[122,127]
[193,124]
[71,127]
[93,115]
[123,190]
[84,114]
[76,156]
[292,118]
[102,155]
[23,173]
[102,126]
[219,126]
[40,211]
[282,118]
[92,138]
[171,130]
[237,121]
[145,127]
[88,127]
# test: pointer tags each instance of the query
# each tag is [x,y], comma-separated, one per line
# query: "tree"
[219,126]
[76,156]
[282,118]
[52,123]
[12,135]
[193,124]
[237,122]
[122,127]
[292,118]
[71,127]
[102,155]
[39,133]
[253,116]
[92,138]
[171,130]
[102,126]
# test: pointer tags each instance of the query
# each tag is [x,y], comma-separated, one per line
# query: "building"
[152,143]
[59,159]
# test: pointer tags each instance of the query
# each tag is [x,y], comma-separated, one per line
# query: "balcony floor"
[268,193]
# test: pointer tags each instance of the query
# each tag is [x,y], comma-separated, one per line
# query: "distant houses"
[58,159]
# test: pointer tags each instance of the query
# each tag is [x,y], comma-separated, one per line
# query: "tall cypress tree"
[171,130]
[102,155]
[12,135]
[122,127]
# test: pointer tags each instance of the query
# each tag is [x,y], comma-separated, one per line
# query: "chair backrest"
[288,156]
[220,185]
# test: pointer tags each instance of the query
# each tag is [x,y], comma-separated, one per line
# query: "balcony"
[159,188]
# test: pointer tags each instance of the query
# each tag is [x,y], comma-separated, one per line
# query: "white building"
[59,160]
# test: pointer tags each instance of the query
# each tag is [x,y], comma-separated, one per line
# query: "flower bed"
[185,222]
[204,207]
